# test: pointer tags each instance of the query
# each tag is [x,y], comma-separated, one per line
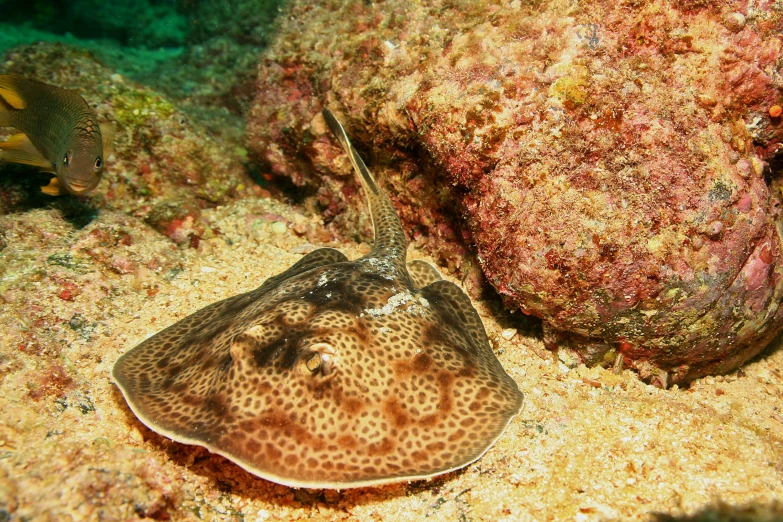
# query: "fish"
[59,133]
[333,374]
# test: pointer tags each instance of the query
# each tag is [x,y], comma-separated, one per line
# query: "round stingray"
[334,373]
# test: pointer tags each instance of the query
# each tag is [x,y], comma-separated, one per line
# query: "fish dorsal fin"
[107,138]
[389,237]
[19,149]
[9,93]
[423,273]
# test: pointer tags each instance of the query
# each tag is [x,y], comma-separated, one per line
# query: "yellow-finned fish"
[59,133]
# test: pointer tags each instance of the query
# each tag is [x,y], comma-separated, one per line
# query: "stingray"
[334,373]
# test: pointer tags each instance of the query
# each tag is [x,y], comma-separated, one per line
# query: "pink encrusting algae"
[608,162]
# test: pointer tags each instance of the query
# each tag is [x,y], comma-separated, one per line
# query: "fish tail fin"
[19,149]
[389,236]
[10,99]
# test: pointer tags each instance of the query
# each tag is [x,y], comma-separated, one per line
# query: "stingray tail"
[339,132]
[389,237]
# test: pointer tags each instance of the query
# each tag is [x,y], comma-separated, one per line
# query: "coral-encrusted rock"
[608,160]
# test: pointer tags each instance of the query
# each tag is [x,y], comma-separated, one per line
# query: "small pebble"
[743,168]
[706,100]
[278,227]
[715,229]
[757,165]
[208,269]
[68,291]
[595,383]
[508,333]
[136,436]
[735,22]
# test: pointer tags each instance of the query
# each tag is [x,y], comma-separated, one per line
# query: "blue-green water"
[193,51]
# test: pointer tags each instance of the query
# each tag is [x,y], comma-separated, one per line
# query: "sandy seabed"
[589,444]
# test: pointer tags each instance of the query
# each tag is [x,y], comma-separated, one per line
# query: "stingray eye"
[98,163]
[320,360]
[313,363]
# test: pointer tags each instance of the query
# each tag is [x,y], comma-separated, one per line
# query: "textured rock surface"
[608,161]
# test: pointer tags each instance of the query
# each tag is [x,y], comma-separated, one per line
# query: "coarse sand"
[589,444]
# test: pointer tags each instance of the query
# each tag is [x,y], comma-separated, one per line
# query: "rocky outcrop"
[608,163]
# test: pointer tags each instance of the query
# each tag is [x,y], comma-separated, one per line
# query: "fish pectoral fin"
[9,93]
[54,188]
[107,139]
[19,149]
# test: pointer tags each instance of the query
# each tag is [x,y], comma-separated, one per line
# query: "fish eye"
[98,163]
[67,160]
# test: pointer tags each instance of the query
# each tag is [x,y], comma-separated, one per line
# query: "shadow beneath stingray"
[722,512]
[230,478]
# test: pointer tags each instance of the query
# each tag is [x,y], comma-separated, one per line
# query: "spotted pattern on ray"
[422,273]
[335,373]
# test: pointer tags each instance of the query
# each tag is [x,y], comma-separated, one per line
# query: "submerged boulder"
[609,163]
